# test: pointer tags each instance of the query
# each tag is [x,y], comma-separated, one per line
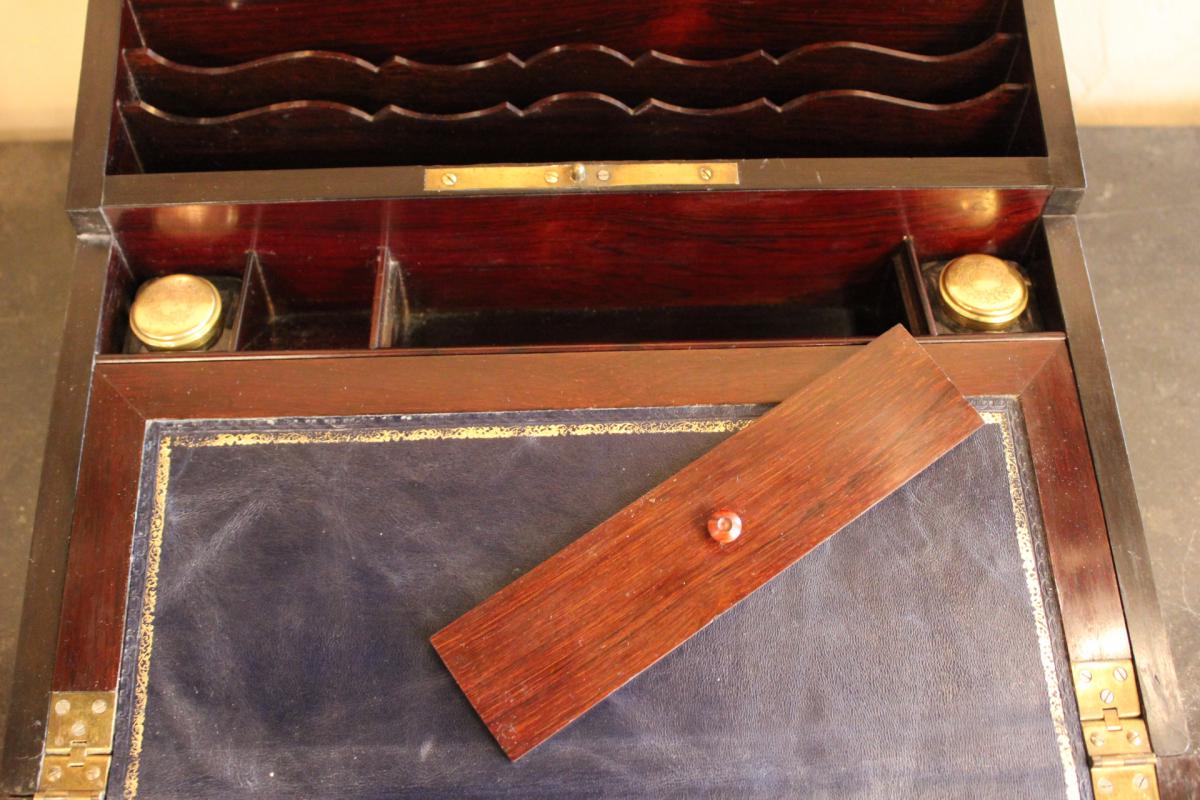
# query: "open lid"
[774,95]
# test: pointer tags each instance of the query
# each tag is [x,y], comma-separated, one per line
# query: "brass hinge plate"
[1125,782]
[79,735]
[1102,685]
[1123,764]
[581,176]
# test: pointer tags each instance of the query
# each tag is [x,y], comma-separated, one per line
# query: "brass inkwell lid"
[176,312]
[983,292]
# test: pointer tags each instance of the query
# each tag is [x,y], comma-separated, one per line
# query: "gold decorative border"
[162,473]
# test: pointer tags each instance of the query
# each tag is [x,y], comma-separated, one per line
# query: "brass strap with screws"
[581,176]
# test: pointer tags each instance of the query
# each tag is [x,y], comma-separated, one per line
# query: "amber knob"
[724,526]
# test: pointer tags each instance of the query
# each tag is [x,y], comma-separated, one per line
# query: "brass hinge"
[581,177]
[78,750]
[1123,763]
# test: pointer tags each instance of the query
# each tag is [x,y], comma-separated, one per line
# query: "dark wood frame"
[90,190]
[127,394]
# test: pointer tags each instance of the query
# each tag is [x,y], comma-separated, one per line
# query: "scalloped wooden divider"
[575,126]
[433,88]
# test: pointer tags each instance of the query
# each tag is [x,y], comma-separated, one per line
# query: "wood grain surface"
[561,638]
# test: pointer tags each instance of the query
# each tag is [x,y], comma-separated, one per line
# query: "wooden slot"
[574,126]
[630,78]
[562,637]
[207,33]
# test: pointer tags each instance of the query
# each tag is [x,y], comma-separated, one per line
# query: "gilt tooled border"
[162,474]
[145,638]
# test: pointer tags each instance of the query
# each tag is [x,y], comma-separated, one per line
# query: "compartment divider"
[924,307]
[390,320]
[440,89]
[577,126]
[254,310]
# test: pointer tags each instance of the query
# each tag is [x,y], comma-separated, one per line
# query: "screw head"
[1107,696]
[79,730]
[1141,782]
[603,174]
[1097,739]
[54,773]
[99,706]
[449,179]
[92,773]
[1120,673]
[1085,676]
[1134,738]
[1105,786]
[552,176]
[62,707]
[725,526]
[578,173]
[706,173]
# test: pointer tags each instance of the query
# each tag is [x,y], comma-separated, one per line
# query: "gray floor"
[1139,231]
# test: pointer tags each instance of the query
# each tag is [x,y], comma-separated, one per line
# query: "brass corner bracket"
[78,749]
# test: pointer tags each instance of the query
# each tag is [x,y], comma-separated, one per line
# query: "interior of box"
[217,85]
[571,270]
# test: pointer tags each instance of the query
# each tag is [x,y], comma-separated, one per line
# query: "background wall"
[1131,62]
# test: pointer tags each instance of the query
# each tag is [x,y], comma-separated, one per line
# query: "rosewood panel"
[566,634]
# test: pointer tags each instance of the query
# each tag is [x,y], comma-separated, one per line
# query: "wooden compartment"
[581,269]
[199,86]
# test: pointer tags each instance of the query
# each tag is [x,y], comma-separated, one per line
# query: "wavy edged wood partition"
[437,88]
[575,126]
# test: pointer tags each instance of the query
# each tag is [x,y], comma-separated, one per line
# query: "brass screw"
[1120,673]
[99,706]
[62,707]
[706,173]
[1134,738]
[1106,696]
[1141,782]
[551,177]
[1097,739]
[1105,786]
[603,175]
[1085,677]
[449,179]
[79,730]
[92,773]
[578,173]
[54,773]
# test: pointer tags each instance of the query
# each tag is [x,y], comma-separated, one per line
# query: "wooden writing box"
[489,272]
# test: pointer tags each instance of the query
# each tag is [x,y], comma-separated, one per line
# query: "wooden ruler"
[545,649]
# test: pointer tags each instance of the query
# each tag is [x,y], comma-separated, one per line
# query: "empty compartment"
[288,307]
[488,272]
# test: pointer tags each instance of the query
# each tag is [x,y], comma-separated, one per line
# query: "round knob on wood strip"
[725,526]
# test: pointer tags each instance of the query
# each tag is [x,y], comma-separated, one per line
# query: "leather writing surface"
[302,566]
